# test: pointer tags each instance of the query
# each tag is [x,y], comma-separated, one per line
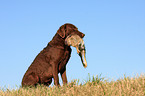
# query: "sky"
[114,36]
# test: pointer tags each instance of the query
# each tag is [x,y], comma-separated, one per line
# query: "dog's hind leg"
[48,82]
[30,80]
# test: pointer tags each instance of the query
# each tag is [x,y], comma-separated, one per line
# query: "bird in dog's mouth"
[77,42]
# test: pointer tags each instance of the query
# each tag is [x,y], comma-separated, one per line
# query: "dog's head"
[73,37]
[69,29]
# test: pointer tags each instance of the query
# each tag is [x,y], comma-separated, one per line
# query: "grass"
[95,86]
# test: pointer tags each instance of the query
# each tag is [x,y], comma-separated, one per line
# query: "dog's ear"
[62,31]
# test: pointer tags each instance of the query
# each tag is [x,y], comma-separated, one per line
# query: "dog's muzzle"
[77,42]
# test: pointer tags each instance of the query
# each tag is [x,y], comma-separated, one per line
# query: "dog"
[54,57]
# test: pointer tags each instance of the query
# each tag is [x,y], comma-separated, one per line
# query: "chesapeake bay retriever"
[54,57]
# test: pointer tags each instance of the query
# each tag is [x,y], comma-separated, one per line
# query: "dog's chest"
[64,59]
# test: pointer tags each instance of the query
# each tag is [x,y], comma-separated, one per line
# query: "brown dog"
[52,59]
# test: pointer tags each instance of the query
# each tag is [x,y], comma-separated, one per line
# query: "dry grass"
[93,87]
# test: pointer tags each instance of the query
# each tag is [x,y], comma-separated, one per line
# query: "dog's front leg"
[55,75]
[63,76]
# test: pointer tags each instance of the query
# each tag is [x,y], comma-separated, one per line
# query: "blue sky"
[115,36]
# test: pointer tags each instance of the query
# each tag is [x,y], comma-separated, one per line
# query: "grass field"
[95,86]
